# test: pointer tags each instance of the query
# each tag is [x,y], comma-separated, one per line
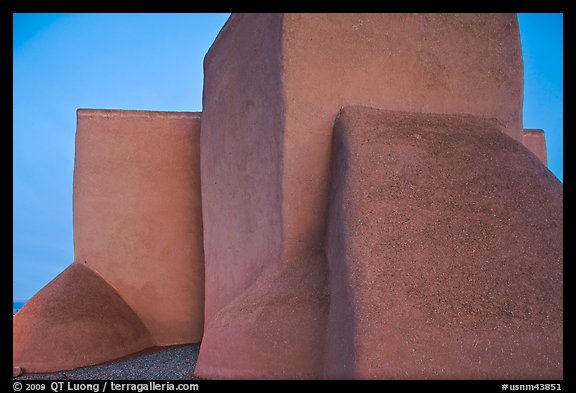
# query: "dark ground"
[169,363]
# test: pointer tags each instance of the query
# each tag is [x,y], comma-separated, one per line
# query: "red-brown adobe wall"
[429,63]
[274,84]
[241,156]
[251,289]
[445,250]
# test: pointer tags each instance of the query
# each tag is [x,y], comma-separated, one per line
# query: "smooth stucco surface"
[137,214]
[138,276]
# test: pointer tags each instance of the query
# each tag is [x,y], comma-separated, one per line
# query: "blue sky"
[63,62]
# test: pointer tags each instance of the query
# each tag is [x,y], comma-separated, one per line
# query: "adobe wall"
[535,141]
[441,256]
[445,246]
[241,156]
[274,84]
[265,314]
[430,63]
[137,214]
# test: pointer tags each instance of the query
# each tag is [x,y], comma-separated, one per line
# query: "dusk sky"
[63,62]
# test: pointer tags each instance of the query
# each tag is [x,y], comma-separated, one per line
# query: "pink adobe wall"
[137,215]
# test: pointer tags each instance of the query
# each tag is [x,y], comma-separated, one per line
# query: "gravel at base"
[170,363]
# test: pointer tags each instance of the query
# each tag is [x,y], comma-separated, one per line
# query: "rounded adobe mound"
[274,329]
[76,320]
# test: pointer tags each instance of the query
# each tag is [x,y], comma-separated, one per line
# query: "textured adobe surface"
[438,63]
[445,245]
[274,330]
[137,214]
[535,141]
[76,320]
[274,84]
[265,310]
